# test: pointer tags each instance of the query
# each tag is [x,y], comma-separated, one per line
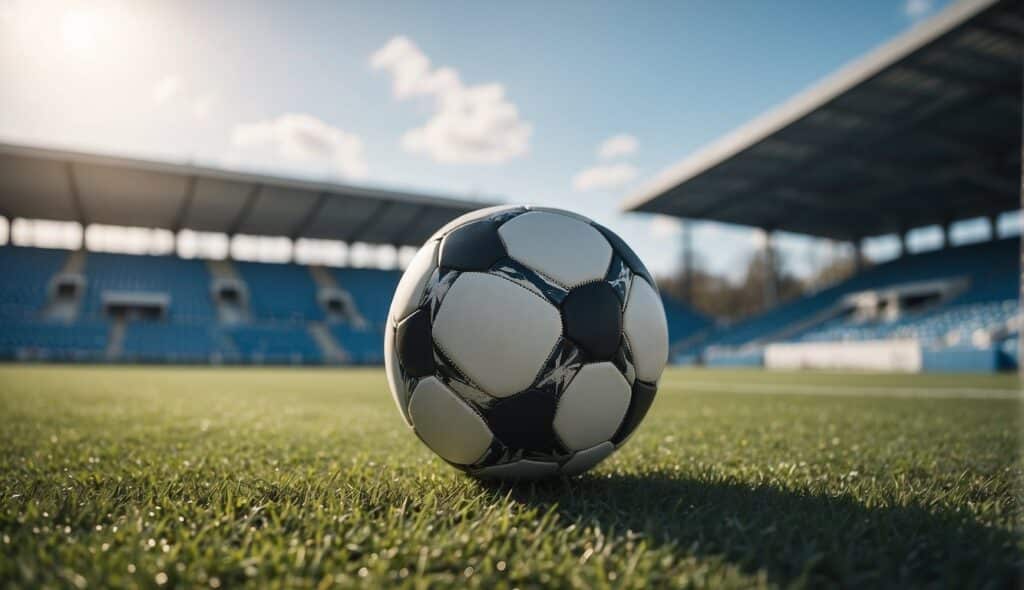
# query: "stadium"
[179,411]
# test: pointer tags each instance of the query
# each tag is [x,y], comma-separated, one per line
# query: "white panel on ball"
[447,424]
[560,247]
[498,333]
[394,373]
[646,331]
[585,220]
[471,216]
[587,458]
[592,407]
[524,469]
[410,289]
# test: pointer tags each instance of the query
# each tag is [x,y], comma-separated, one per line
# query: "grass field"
[214,477]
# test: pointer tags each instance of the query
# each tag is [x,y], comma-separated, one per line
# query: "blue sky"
[514,101]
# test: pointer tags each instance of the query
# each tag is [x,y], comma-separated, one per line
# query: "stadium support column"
[771,284]
[686,245]
[993,227]
[858,254]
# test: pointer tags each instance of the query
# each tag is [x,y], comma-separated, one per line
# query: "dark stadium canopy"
[924,130]
[69,186]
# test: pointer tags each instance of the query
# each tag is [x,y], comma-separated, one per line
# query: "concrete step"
[75,264]
[329,347]
[115,340]
[222,269]
[323,278]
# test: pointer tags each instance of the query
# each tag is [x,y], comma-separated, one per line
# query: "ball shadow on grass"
[792,537]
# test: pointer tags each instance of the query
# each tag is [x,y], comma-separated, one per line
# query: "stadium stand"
[53,341]
[280,291]
[889,143]
[981,313]
[371,290]
[362,344]
[185,282]
[284,312]
[171,342]
[990,267]
[270,343]
[27,273]
[117,307]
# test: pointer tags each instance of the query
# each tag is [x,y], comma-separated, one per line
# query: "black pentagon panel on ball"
[475,246]
[627,253]
[592,318]
[415,344]
[525,421]
[640,401]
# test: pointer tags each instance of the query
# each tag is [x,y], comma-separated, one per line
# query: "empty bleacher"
[161,341]
[285,321]
[187,282]
[277,344]
[43,340]
[981,315]
[282,302]
[371,289]
[280,291]
[27,273]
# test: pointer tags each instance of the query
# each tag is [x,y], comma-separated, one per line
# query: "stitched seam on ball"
[462,373]
[527,289]
[550,278]
[547,359]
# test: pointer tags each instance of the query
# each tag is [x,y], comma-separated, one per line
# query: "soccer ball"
[525,342]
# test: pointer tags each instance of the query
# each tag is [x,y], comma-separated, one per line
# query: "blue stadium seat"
[186,281]
[991,299]
[275,344]
[363,345]
[371,289]
[280,291]
[26,276]
[55,341]
[683,321]
[163,341]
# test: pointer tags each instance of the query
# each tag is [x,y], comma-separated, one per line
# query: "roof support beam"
[314,210]
[247,206]
[76,195]
[401,233]
[379,212]
[186,204]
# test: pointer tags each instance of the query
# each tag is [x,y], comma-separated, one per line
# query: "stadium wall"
[904,356]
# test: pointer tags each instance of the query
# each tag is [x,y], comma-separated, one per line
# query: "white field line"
[845,390]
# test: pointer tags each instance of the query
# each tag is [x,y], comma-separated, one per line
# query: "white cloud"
[166,89]
[202,105]
[470,124]
[622,144]
[603,177]
[916,9]
[302,139]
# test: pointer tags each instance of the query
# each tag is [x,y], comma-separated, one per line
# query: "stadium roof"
[70,186]
[924,130]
